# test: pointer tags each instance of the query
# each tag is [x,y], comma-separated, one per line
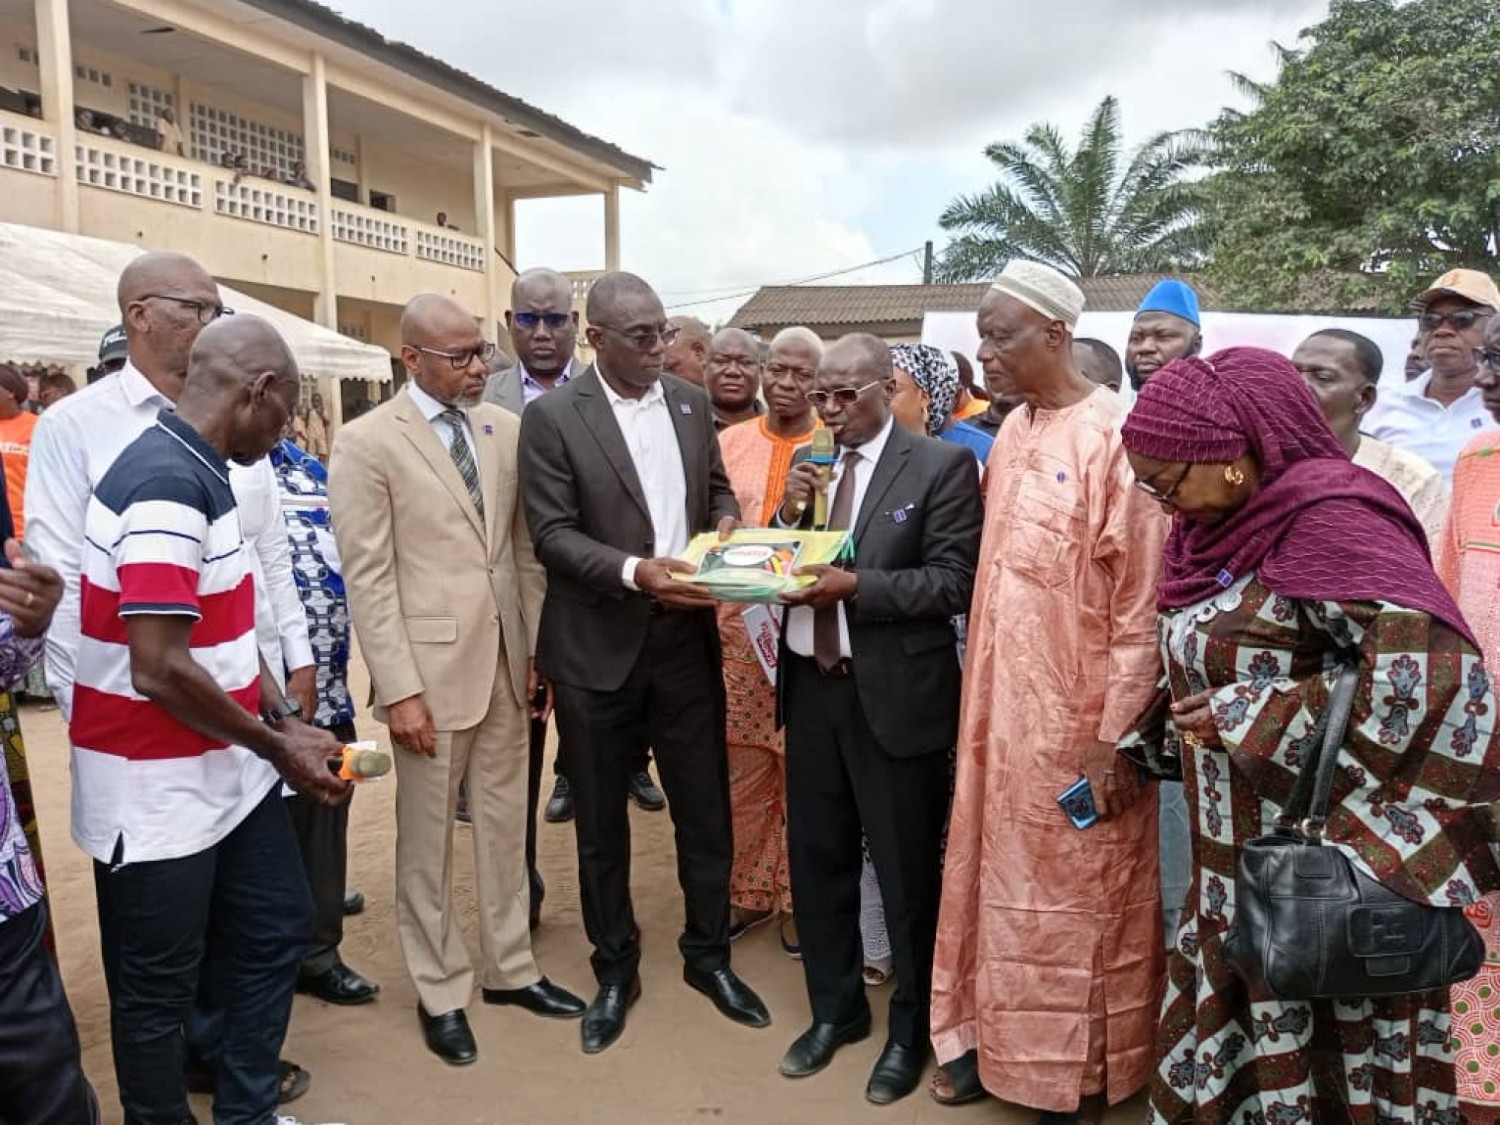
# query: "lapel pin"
[899,515]
[489,429]
[1062,478]
[685,407]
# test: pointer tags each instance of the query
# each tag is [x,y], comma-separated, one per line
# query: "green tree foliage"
[1079,210]
[1370,165]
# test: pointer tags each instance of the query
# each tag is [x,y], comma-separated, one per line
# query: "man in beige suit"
[446,596]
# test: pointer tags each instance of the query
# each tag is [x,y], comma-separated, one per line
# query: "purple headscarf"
[1320,527]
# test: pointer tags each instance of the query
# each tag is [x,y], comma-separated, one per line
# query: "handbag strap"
[1307,809]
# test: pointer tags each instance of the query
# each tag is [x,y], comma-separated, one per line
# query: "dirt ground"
[678,1061]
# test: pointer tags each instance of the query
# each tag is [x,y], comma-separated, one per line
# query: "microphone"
[363,762]
[824,454]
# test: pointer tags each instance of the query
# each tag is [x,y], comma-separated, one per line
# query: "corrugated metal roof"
[323,20]
[813,305]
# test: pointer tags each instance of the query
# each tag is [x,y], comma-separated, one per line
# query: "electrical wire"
[913,254]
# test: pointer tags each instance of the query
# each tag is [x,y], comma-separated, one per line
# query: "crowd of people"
[1051,591]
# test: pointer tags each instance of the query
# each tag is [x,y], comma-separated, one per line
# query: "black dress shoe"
[732,996]
[542,998]
[448,1036]
[605,1017]
[354,902]
[339,985]
[896,1073]
[559,808]
[814,1048]
[644,793]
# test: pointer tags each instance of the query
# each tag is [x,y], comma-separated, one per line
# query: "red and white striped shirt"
[162,536]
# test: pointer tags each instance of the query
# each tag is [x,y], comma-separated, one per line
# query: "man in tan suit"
[446,596]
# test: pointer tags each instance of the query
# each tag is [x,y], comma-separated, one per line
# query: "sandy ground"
[678,1061]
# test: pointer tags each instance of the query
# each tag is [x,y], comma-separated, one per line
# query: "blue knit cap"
[1175,297]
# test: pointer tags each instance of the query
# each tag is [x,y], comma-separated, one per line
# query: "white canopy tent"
[956,331]
[57,298]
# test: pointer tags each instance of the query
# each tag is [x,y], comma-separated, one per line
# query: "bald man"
[165,301]
[732,375]
[181,738]
[446,596]
[687,354]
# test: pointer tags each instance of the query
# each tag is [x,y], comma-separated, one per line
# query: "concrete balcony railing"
[375,230]
[262,201]
[26,149]
[132,170]
[583,281]
[449,249]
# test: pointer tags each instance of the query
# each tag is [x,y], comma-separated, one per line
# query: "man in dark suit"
[543,327]
[619,468]
[868,692]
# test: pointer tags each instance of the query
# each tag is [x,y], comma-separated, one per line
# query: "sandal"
[294,1083]
[957,1082]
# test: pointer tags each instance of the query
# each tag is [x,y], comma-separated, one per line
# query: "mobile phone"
[1077,800]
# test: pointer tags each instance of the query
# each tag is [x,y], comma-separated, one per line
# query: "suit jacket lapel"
[420,432]
[486,459]
[685,422]
[887,469]
[599,418]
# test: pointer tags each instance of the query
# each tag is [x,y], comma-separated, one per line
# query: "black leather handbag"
[1308,924]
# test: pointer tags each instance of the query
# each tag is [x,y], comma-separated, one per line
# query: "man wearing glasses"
[544,331]
[1435,415]
[620,468]
[446,595]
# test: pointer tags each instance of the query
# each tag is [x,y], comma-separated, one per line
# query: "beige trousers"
[493,756]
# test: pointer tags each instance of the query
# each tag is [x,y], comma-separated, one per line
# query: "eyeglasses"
[844,396]
[1486,358]
[205,312]
[644,339]
[555,321]
[1157,494]
[1460,320]
[460,360]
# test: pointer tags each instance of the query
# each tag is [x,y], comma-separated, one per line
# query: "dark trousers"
[323,840]
[839,780]
[41,1079]
[246,899]
[673,701]
[538,751]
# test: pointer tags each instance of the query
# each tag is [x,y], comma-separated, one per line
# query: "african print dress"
[1420,757]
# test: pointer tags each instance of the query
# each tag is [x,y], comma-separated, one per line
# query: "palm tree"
[1075,210]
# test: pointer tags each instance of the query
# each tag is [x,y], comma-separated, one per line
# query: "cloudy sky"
[801,137]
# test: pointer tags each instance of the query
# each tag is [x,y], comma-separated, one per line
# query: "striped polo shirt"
[162,537]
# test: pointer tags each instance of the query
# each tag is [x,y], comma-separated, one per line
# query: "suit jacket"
[503,388]
[916,573]
[433,589]
[588,514]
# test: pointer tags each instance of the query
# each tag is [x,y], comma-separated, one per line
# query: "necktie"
[826,620]
[463,456]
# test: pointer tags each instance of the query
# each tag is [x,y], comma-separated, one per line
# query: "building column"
[54,49]
[315,147]
[612,228]
[484,217]
[362,179]
[505,221]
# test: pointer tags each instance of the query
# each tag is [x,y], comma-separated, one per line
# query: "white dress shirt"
[531,390]
[76,441]
[799,620]
[1406,418]
[646,424]
[432,410]
[280,621]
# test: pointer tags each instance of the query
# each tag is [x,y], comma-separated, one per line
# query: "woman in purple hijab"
[1283,559]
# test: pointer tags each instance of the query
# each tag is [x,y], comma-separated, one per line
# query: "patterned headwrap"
[1319,528]
[935,372]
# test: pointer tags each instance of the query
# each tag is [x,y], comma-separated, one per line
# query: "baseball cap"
[113,346]
[1470,285]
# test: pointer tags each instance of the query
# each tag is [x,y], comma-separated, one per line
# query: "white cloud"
[799,137]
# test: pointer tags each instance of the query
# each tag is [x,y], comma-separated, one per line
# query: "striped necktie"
[463,456]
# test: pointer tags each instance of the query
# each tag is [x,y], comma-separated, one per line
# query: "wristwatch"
[288,708]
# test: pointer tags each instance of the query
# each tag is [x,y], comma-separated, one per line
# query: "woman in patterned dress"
[1283,557]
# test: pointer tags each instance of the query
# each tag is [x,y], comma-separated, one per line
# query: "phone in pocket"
[1077,800]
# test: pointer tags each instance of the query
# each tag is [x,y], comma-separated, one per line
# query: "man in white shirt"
[1342,369]
[165,301]
[1435,415]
